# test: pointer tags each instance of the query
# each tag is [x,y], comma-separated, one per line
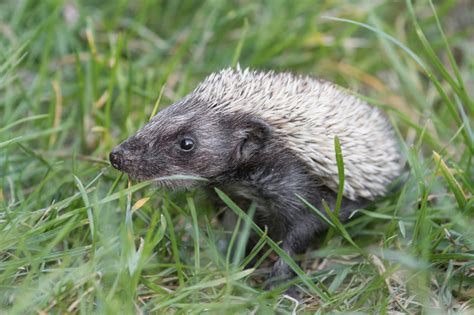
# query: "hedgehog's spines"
[307,113]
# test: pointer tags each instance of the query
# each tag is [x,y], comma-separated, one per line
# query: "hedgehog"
[267,138]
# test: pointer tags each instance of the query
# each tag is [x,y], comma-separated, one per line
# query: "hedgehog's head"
[190,139]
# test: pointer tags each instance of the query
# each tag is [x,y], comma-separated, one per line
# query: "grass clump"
[77,77]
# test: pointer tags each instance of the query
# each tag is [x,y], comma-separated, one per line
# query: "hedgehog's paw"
[292,291]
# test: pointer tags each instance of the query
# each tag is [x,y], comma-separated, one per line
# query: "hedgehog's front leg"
[301,227]
[297,239]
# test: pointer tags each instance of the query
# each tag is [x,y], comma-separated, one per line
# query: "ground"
[78,77]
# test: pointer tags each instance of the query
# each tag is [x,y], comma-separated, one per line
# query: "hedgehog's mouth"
[176,184]
[172,182]
[140,169]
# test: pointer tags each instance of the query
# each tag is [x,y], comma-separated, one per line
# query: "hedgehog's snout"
[127,153]
[116,158]
[120,155]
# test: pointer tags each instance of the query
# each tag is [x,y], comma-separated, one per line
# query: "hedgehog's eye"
[186,144]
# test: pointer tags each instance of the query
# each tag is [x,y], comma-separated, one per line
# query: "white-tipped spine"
[307,114]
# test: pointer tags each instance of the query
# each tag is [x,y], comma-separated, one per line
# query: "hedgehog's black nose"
[116,158]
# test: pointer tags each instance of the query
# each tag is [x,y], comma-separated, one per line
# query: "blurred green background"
[78,77]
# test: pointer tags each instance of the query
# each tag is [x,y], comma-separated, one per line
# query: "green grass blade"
[452,182]
[340,171]
[197,251]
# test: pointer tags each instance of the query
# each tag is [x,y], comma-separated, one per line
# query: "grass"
[77,77]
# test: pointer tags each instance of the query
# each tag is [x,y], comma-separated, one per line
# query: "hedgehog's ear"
[251,137]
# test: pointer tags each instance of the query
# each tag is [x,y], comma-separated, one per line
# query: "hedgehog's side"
[306,114]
